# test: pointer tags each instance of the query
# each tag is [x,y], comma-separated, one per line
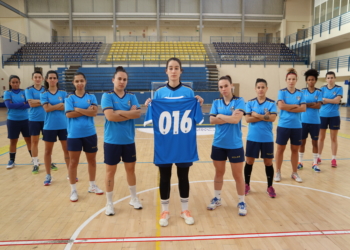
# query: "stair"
[213,77]
[68,78]
[212,54]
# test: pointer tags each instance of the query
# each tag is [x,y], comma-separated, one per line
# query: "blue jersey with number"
[290,119]
[36,114]
[330,109]
[174,123]
[82,126]
[168,91]
[261,131]
[54,120]
[16,114]
[311,116]
[228,135]
[119,132]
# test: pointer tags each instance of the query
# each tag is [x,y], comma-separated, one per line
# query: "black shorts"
[51,135]
[312,129]
[284,134]
[35,127]
[87,144]
[114,153]
[264,148]
[331,122]
[221,154]
[14,128]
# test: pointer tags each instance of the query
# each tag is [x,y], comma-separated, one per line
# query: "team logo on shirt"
[129,103]
[298,98]
[89,101]
[334,93]
[60,98]
[22,96]
[316,97]
[232,108]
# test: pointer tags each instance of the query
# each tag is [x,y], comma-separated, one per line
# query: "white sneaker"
[10,164]
[242,209]
[164,217]
[109,209]
[296,177]
[188,217]
[95,189]
[214,203]
[278,176]
[74,196]
[136,203]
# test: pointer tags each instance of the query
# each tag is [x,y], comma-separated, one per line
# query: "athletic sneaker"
[300,166]
[187,217]
[76,179]
[242,208]
[136,203]
[271,192]
[109,209]
[319,161]
[53,167]
[95,189]
[164,217]
[296,177]
[47,181]
[10,164]
[214,203]
[316,168]
[247,189]
[334,163]
[74,196]
[278,176]
[35,169]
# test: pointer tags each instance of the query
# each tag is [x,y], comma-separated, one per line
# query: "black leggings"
[165,177]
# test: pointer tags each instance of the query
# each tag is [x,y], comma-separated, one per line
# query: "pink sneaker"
[318,161]
[247,189]
[271,192]
[334,163]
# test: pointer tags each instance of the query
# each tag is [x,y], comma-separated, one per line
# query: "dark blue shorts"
[312,129]
[51,135]
[179,165]
[284,134]
[331,122]
[87,144]
[35,127]
[221,154]
[14,128]
[114,153]
[254,148]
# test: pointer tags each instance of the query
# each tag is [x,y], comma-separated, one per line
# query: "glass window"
[317,15]
[329,9]
[344,6]
[323,13]
[336,8]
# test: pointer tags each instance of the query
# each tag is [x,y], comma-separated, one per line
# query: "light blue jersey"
[261,131]
[227,135]
[82,126]
[55,120]
[167,91]
[311,116]
[16,114]
[36,114]
[329,109]
[120,133]
[290,119]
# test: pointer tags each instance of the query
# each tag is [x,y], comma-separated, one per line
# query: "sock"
[132,191]
[165,205]
[247,172]
[92,183]
[109,196]
[240,198]
[319,156]
[217,194]
[301,155]
[30,152]
[184,204]
[73,187]
[269,175]
[12,156]
[315,156]
[334,157]
[35,161]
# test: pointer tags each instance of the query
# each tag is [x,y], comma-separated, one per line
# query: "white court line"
[74,237]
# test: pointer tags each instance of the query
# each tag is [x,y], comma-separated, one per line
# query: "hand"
[148,101]
[91,107]
[324,100]
[133,107]
[200,99]
[254,114]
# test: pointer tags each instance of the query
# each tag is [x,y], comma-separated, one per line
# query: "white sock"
[165,205]
[301,155]
[35,161]
[132,191]
[92,183]
[73,187]
[334,157]
[319,156]
[315,156]
[184,204]
[109,196]
[240,198]
[217,194]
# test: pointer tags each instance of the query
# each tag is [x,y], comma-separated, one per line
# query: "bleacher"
[56,52]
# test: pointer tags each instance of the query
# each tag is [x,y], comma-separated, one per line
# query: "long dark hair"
[120,69]
[228,78]
[46,84]
[12,77]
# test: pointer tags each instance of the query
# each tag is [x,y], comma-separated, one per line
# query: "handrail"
[246,39]
[333,63]
[12,35]
[56,39]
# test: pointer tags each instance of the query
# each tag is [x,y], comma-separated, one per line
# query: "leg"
[28,142]
[109,180]
[66,154]
[164,189]
[334,141]
[294,157]
[314,146]
[269,171]
[321,140]
[279,156]
[302,146]
[248,169]
[184,184]
[219,174]
[35,144]
[91,159]
[47,156]
[237,169]
[73,165]
[130,173]
[13,145]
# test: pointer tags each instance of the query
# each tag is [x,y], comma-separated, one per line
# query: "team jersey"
[311,116]
[54,120]
[290,119]
[119,132]
[168,91]
[82,126]
[36,114]
[260,131]
[227,135]
[329,109]
[16,114]
[174,123]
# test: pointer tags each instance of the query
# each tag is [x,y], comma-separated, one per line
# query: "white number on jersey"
[185,124]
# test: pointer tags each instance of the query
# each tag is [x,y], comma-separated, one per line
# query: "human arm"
[267,117]
[34,103]
[249,118]
[287,107]
[200,99]
[234,118]
[332,101]
[314,105]
[20,105]
[216,120]
[49,108]
[90,111]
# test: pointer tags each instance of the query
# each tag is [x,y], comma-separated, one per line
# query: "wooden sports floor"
[314,214]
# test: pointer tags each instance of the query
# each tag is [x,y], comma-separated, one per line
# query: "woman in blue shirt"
[226,113]
[17,117]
